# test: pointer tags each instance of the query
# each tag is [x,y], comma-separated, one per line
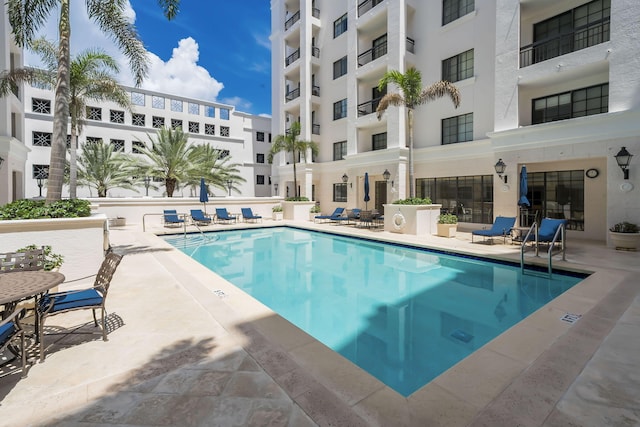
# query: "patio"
[187,348]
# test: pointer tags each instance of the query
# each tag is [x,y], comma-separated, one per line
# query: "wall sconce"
[387,175]
[229,185]
[500,167]
[345,179]
[623,158]
[1,161]
[147,183]
[40,183]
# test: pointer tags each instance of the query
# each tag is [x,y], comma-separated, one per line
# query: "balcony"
[411,45]
[292,57]
[315,90]
[366,6]
[315,51]
[291,95]
[315,129]
[289,22]
[315,12]
[372,54]
[368,107]
[578,39]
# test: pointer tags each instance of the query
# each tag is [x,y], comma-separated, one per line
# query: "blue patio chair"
[335,216]
[223,216]
[247,215]
[10,328]
[199,217]
[548,229]
[171,218]
[93,299]
[501,227]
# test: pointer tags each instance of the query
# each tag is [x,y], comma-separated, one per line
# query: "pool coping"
[313,375]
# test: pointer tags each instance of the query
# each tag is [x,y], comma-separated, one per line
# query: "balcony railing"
[580,38]
[411,45]
[315,12]
[368,107]
[292,58]
[372,54]
[315,51]
[315,90]
[315,129]
[366,6]
[291,95]
[289,22]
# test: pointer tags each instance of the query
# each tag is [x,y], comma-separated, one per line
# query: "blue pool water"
[404,315]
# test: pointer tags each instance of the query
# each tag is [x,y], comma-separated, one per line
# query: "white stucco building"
[547,84]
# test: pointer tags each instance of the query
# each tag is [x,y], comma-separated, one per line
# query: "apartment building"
[546,84]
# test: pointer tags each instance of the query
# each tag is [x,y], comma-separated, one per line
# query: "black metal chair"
[29,260]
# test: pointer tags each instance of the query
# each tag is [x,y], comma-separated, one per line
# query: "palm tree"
[100,168]
[289,143]
[214,165]
[410,96]
[26,18]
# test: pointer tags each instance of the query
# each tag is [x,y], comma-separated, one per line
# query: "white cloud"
[240,103]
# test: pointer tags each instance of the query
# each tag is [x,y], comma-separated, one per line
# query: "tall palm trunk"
[73,163]
[170,184]
[61,108]
[412,189]
[295,180]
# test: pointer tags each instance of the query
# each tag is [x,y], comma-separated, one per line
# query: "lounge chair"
[199,217]
[10,328]
[548,229]
[501,227]
[223,216]
[335,216]
[171,218]
[353,215]
[247,215]
[93,298]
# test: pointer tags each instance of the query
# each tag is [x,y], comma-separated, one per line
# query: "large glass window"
[340,192]
[340,109]
[340,26]
[457,129]
[567,105]
[340,67]
[557,194]
[379,141]
[454,9]
[458,67]
[468,197]
[339,150]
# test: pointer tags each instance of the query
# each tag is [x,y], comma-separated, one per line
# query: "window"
[157,122]
[340,26]
[223,154]
[139,119]
[137,147]
[40,171]
[340,67]
[269,138]
[41,139]
[468,197]
[42,106]
[379,47]
[176,105]
[176,123]
[116,116]
[259,158]
[157,102]
[260,179]
[209,129]
[558,194]
[224,113]
[137,98]
[454,9]
[567,105]
[339,150]
[260,136]
[379,141]
[209,111]
[224,130]
[457,129]
[194,127]
[93,140]
[340,109]
[458,67]
[340,192]
[117,145]
[194,108]
[94,113]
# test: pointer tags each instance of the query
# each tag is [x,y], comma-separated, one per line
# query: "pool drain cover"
[570,317]
[461,335]
[220,293]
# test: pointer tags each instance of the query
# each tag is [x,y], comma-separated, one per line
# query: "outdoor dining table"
[20,285]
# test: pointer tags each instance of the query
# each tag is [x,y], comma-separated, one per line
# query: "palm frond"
[388,100]
[439,90]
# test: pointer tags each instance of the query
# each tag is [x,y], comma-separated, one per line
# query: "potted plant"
[447,225]
[277,213]
[315,210]
[625,236]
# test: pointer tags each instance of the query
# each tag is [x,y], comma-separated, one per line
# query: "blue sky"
[213,50]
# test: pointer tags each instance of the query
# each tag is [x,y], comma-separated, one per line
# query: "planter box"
[411,219]
[625,241]
[297,211]
[276,216]
[447,230]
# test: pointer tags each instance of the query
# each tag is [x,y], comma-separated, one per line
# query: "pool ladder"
[560,233]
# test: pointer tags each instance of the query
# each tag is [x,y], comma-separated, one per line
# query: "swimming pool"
[404,315]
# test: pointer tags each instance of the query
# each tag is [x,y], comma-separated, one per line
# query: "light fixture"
[500,167]
[229,185]
[623,158]
[147,182]
[345,179]
[40,182]
[387,175]
[275,189]
[1,161]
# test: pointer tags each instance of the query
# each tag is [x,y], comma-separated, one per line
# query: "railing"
[315,129]
[368,107]
[315,51]
[292,57]
[291,95]
[366,6]
[553,47]
[289,22]
[411,44]
[372,54]
[559,234]
[315,90]
[315,12]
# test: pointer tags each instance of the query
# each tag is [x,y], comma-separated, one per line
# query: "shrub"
[277,208]
[447,219]
[413,201]
[625,227]
[51,260]
[315,209]
[297,199]
[37,209]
